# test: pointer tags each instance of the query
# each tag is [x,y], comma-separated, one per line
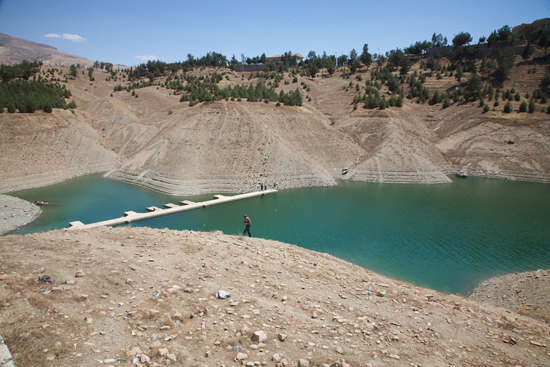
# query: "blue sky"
[129,32]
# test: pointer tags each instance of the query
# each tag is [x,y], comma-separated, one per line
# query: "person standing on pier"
[247,226]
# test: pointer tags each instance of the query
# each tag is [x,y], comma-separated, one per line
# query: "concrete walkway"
[132,216]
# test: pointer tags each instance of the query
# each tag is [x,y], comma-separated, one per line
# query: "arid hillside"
[41,149]
[141,132]
[14,50]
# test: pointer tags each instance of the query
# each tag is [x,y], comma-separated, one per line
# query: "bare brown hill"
[231,146]
[41,149]
[13,50]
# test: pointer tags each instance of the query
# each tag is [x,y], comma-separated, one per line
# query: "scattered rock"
[240,357]
[259,336]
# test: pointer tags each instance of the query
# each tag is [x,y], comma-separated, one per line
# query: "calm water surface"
[445,237]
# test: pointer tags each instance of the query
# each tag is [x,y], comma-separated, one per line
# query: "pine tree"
[508,108]
[532,106]
[523,107]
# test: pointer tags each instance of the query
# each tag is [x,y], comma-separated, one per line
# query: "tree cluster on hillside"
[205,89]
[393,71]
[503,34]
[24,70]
[18,93]
[107,66]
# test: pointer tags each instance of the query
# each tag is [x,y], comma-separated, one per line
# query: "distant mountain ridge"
[13,50]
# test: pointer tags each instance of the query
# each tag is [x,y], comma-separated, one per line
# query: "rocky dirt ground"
[147,295]
[527,293]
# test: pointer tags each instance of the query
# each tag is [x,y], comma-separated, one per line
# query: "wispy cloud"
[67,36]
[145,58]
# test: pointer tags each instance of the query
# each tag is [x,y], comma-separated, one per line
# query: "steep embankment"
[41,149]
[400,148]
[232,147]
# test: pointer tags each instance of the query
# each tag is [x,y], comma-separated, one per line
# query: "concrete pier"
[153,211]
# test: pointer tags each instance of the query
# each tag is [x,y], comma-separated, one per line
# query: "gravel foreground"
[149,296]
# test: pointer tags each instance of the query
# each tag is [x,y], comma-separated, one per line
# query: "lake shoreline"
[23,218]
[16,213]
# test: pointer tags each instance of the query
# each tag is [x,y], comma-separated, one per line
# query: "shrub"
[523,107]
[278,104]
[508,108]
[399,101]
[436,98]
[532,106]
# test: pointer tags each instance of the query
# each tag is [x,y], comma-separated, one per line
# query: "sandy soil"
[147,293]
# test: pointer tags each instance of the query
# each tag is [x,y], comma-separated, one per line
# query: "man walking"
[247,226]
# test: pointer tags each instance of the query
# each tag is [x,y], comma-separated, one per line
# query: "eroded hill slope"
[150,138]
[41,149]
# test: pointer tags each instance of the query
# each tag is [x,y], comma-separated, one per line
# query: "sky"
[131,32]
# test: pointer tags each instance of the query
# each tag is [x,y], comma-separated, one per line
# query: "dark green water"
[445,237]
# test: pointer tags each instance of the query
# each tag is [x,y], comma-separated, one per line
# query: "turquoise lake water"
[446,237]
